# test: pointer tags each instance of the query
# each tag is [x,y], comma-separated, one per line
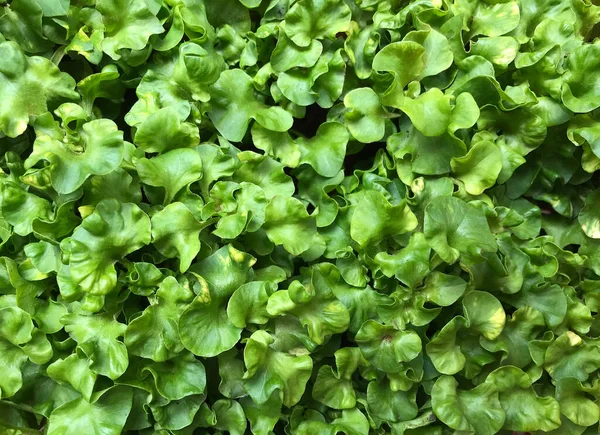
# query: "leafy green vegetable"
[299,216]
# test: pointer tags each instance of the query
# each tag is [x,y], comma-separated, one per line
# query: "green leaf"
[248,304]
[234,104]
[314,303]
[262,418]
[204,327]
[30,87]
[388,405]
[484,314]
[266,173]
[325,151]
[179,377]
[96,150]
[580,86]
[288,55]
[499,50]
[178,414]
[163,131]
[457,345]
[97,338]
[410,265]
[106,413]
[415,153]
[375,219]
[335,389]
[197,68]
[21,208]
[525,410]
[524,325]
[454,228]
[351,422]
[128,24]
[570,356]
[316,19]
[442,289]
[438,54]
[588,216]
[19,341]
[405,61]
[490,19]
[230,416]
[385,346]
[574,403]
[476,410]
[155,334]
[172,171]
[112,231]
[75,372]
[44,256]
[365,117]
[430,112]
[22,22]
[479,168]
[268,370]
[288,223]
[175,233]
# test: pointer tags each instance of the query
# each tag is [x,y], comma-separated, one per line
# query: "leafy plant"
[299,216]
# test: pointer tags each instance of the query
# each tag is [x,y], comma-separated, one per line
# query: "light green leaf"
[179,377]
[316,19]
[128,24]
[288,223]
[454,228]
[389,405]
[477,410]
[204,327]
[248,304]
[588,217]
[97,338]
[479,168]
[365,118]
[406,62]
[230,416]
[580,86]
[288,55]
[575,404]
[335,389]
[410,265]
[175,233]
[385,346]
[313,303]
[163,131]
[234,103]
[268,370]
[524,325]
[525,410]
[112,231]
[30,86]
[105,414]
[430,112]
[262,418]
[375,219]
[155,334]
[96,150]
[570,356]
[484,314]
[172,171]
[75,372]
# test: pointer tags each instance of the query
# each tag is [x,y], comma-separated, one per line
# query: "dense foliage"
[306,217]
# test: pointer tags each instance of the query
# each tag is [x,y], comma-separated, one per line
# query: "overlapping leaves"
[300,217]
